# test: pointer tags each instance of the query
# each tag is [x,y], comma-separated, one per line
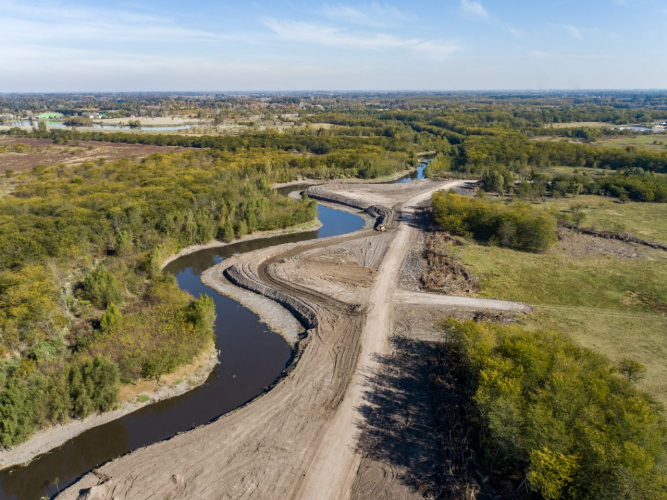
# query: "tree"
[101,288]
[15,413]
[241,229]
[111,318]
[228,232]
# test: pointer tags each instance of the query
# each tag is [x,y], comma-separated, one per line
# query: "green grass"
[142,398]
[616,334]
[639,141]
[557,278]
[593,298]
[644,220]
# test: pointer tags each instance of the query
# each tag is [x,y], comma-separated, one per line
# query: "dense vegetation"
[561,416]
[516,226]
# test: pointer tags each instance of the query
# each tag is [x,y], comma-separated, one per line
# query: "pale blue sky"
[72,45]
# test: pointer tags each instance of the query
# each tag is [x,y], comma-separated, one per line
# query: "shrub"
[101,288]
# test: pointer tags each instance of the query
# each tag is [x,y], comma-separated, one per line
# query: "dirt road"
[432,299]
[333,470]
[298,441]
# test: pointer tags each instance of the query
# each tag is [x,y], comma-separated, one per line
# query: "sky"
[273,45]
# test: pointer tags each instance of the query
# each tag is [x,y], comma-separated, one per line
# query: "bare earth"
[302,439]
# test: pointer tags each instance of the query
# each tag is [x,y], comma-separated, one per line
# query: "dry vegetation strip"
[645,220]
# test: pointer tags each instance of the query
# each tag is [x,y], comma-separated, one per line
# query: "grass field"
[654,142]
[586,288]
[644,220]
[579,170]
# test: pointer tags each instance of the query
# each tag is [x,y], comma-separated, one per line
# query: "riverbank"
[314,182]
[272,314]
[133,398]
[300,228]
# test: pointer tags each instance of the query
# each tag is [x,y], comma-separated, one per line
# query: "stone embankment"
[243,276]
[381,214]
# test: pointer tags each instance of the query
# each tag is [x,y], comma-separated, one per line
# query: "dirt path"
[433,299]
[299,439]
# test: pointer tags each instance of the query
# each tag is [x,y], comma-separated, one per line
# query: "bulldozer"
[381,227]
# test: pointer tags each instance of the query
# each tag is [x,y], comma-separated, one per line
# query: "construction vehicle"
[381,227]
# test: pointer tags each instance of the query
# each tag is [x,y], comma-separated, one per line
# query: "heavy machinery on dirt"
[381,227]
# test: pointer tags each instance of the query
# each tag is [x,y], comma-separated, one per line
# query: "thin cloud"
[474,9]
[374,14]
[24,24]
[573,31]
[338,38]
[516,32]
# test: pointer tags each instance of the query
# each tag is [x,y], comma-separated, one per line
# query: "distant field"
[608,295]
[644,220]
[581,124]
[45,152]
[325,126]
[655,142]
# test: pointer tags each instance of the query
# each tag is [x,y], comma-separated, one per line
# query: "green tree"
[101,288]
[15,413]
[111,318]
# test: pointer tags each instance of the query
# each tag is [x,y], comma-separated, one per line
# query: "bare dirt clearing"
[301,439]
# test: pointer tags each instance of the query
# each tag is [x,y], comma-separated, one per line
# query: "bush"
[101,288]
[561,415]
[517,225]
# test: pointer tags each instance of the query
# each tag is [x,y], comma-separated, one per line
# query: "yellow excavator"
[381,227]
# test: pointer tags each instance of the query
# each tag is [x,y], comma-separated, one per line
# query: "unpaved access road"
[297,441]
[332,473]
[434,299]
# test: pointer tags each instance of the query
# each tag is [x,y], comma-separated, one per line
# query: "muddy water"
[251,359]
